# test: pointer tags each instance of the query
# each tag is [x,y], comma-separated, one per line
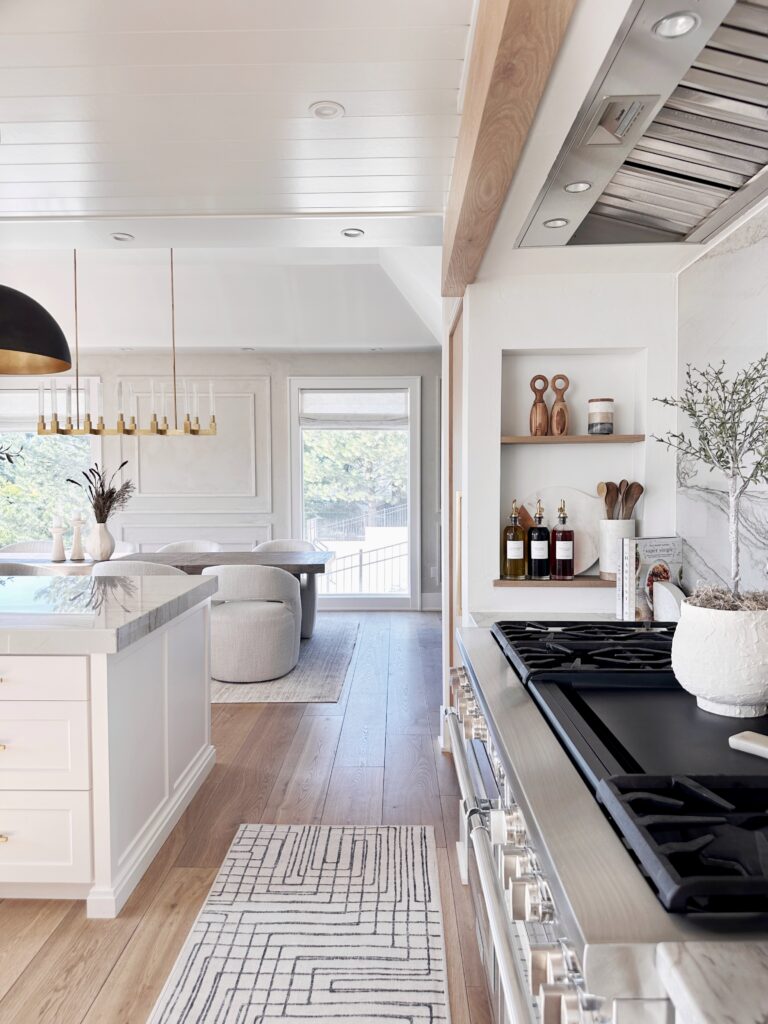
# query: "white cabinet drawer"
[44,745]
[45,837]
[34,677]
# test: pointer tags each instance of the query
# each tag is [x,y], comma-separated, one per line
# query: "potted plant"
[105,499]
[720,648]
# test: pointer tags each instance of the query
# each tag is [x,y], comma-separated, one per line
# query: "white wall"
[723,302]
[598,329]
[235,487]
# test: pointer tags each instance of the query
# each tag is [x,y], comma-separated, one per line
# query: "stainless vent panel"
[702,159]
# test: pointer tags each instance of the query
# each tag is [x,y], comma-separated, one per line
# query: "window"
[33,488]
[357,454]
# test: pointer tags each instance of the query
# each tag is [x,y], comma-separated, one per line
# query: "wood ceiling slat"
[227,125]
[368,103]
[233,15]
[246,205]
[249,47]
[322,80]
[199,184]
[238,150]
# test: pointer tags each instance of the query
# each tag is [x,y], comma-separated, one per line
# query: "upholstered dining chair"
[134,567]
[255,623]
[22,569]
[36,546]
[191,546]
[308,585]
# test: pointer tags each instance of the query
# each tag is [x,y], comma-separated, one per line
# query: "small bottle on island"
[538,547]
[561,550]
[513,548]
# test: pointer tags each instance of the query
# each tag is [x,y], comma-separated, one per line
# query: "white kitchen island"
[104,729]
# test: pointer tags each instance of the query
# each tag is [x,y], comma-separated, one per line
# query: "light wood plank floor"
[372,758]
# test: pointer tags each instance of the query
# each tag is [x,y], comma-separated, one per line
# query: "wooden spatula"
[631,498]
[623,485]
[611,497]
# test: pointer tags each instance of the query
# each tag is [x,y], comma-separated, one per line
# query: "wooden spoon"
[631,498]
[602,490]
[623,485]
[611,497]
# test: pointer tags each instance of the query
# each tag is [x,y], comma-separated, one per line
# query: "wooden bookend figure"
[558,418]
[539,411]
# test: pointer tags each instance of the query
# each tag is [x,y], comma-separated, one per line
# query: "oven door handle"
[460,762]
[517,1003]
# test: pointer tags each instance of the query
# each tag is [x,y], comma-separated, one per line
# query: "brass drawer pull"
[2,747]
[3,839]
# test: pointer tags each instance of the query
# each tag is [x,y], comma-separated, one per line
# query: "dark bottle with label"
[513,548]
[561,547]
[538,547]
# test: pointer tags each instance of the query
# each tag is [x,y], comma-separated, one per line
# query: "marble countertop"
[91,615]
[716,982]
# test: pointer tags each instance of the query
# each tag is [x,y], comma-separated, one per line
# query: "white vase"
[100,543]
[722,659]
[612,532]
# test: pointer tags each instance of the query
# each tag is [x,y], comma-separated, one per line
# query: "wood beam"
[515,45]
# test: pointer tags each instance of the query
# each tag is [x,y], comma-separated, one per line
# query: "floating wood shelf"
[575,439]
[577,581]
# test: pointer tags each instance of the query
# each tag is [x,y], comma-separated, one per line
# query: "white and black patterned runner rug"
[310,923]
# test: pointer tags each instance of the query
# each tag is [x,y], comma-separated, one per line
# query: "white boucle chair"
[255,623]
[133,567]
[308,581]
[192,546]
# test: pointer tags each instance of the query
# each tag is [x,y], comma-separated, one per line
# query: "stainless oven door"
[509,996]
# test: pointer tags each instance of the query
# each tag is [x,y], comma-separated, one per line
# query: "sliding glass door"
[356,449]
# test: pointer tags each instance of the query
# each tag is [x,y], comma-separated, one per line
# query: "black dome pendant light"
[30,339]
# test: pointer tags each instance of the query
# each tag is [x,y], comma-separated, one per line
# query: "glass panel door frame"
[413,386]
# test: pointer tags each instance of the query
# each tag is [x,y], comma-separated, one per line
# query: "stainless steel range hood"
[673,138]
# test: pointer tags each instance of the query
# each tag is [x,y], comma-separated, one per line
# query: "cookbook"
[645,561]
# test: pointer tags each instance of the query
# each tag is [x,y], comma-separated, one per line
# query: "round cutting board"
[584,514]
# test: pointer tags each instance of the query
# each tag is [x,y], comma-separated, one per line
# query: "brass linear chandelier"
[185,421]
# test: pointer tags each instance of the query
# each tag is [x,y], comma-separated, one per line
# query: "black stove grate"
[702,840]
[582,649]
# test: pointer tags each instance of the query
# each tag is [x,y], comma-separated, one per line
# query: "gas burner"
[702,840]
[632,657]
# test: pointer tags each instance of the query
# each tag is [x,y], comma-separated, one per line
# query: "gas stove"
[657,763]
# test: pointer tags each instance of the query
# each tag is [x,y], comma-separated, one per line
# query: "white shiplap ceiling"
[187,108]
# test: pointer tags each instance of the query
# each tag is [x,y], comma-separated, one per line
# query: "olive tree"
[729,417]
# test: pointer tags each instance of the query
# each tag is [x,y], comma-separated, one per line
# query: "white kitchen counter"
[104,729]
[88,615]
[716,982]
[486,619]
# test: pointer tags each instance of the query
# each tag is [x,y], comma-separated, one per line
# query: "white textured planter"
[100,543]
[722,659]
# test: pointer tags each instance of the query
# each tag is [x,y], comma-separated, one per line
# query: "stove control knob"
[537,967]
[570,1009]
[510,864]
[516,892]
[479,728]
[515,827]
[557,970]
[526,865]
[550,1000]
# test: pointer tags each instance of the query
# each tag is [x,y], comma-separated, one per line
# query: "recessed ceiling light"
[247,348]
[676,25]
[353,232]
[326,110]
[578,186]
[555,222]
[121,236]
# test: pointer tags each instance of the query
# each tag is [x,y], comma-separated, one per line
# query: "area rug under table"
[318,677]
[315,923]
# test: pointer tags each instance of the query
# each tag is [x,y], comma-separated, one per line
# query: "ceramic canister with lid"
[600,416]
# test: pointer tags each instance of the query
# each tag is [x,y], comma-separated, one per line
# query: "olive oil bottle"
[538,547]
[561,552]
[513,548]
